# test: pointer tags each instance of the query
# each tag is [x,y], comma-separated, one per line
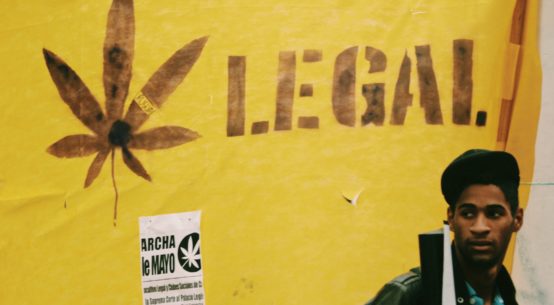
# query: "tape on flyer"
[145,104]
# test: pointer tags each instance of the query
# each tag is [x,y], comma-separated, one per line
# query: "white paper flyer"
[171,265]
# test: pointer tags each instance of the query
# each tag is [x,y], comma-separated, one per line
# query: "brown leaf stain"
[116,132]
[244,288]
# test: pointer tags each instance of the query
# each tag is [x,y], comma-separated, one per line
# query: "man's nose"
[480,226]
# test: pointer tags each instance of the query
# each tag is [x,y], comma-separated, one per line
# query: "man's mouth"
[480,245]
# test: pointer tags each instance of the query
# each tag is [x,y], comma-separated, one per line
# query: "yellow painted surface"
[276,228]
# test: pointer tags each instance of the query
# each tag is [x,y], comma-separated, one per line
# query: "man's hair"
[508,188]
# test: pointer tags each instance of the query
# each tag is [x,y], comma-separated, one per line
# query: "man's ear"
[518,219]
[450,215]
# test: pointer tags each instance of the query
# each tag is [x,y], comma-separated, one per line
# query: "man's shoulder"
[409,279]
[404,289]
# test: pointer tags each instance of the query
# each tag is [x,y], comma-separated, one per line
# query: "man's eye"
[495,213]
[467,214]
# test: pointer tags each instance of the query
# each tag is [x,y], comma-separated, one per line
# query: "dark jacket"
[406,289]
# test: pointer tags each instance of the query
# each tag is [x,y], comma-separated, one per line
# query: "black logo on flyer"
[189,253]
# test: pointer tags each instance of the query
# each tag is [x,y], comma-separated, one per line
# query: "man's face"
[483,224]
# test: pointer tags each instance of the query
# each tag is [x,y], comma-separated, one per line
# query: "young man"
[481,189]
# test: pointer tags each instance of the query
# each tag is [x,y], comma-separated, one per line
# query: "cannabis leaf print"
[112,130]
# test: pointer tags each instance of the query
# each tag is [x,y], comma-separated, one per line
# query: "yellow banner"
[311,135]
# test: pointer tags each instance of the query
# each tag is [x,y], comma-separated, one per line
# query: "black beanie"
[480,166]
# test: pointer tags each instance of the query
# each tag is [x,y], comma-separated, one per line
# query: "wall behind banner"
[533,267]
[275,173]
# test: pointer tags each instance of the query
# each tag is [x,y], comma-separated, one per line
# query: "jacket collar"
[503,282]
